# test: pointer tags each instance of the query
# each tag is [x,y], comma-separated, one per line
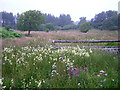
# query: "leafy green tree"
[85,27]
[30,20]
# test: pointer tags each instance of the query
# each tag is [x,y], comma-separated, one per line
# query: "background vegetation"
[106,20]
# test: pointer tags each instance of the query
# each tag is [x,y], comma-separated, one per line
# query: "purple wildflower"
[74,71]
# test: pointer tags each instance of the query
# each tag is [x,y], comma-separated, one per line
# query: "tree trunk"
[29,32]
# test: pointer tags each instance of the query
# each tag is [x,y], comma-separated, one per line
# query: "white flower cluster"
[75,51]
[8,50]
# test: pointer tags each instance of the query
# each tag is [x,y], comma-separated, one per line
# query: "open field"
[31,62]
[42,38]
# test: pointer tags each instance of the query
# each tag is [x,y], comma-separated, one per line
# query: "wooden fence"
[90,41]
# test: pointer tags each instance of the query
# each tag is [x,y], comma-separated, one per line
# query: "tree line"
[108,20]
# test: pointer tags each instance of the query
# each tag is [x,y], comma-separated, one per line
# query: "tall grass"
[48,67]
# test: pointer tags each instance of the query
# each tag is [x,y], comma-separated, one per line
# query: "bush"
[7,27]
[85,27]
[9,34]
[16,34]
[46,30]
[58,27]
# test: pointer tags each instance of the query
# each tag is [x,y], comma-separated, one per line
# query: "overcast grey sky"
[76,8]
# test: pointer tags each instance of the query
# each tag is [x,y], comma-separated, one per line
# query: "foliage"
[69,27]
[82,20]
[85,27]
[105,20]
[8,19]
[50,26]
[111,44]
[9,34]
[7,27]
[47,67]
[62,20]
[58,28]
[30,20]
[42,27]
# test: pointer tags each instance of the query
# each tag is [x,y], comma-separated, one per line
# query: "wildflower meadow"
[48,67]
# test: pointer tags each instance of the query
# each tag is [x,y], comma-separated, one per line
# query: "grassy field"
[43,38]
[31,62]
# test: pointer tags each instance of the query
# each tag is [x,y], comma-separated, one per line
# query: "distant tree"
[85,27]
[105,20]
[110,23]
[7,19]
[64,20]
[82,20]
[49,18]
[61,21]
[30,20]
[49,26]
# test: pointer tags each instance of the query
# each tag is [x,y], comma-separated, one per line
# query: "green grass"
[8,34]
[47,67]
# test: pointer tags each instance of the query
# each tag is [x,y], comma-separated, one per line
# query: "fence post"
[53,43]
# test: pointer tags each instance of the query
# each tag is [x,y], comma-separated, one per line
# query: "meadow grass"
[31,62]
[48,67]
[42,38]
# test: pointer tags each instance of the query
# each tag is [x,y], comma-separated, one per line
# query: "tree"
[30,20]
[105,20]
[64,20]
[49,26]
[82,19]
[85,27]
[7,19]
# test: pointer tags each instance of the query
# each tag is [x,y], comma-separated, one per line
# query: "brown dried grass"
[41,37]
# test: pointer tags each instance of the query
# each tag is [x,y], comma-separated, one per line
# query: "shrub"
[7,27]
[46,30]
[85,27]
[17,34]
[9,34]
